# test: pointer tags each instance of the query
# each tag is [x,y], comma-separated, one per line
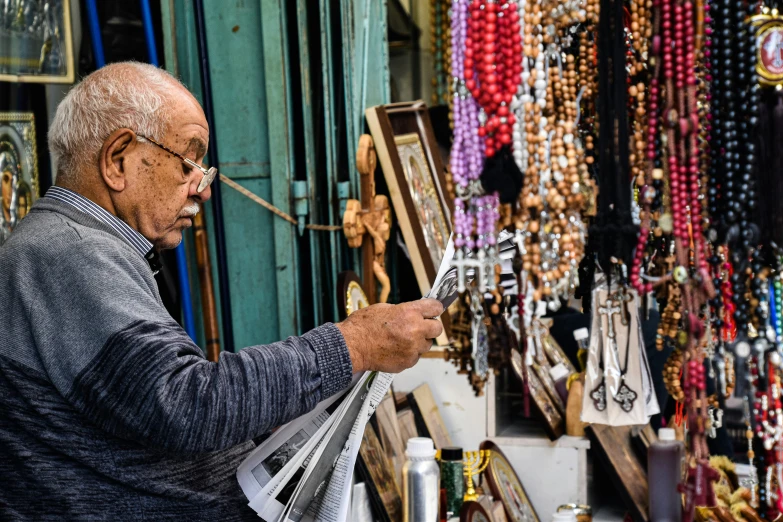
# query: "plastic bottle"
[420,482]
[559,374]
[664,468]
[582,338]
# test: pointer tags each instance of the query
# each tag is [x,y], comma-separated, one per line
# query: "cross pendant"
[598,395]
[610,309]
[625,397]
[462,262]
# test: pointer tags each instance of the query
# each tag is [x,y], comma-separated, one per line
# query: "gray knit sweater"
[108,411]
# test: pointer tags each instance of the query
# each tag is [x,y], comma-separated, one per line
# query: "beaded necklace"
[441,49]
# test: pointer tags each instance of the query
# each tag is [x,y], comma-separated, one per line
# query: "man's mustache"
[191,210]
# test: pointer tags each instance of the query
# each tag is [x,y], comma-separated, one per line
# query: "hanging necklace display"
[617,376]
[440,48]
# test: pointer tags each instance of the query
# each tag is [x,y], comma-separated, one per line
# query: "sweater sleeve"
[113,352]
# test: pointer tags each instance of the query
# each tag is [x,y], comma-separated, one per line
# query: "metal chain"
[270,207]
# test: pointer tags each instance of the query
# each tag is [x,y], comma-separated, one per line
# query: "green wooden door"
[290,81]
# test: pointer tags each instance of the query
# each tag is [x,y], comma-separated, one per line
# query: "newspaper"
[303,471]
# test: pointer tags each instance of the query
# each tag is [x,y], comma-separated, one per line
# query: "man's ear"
[112,161]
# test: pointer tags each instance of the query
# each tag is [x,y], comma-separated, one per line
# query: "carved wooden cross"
[369,218]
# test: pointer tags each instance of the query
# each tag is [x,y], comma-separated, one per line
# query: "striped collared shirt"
[140,243]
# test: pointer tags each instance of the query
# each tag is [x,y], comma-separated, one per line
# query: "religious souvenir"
[552,417]
[35,41]
[18,169]
[549,385]
[413,170]
[351,295]
[377,471]
[769,51]
[473,512]
[505,486]
[614,449]
[429,423]
[439,46]
[618,384]
[391,436]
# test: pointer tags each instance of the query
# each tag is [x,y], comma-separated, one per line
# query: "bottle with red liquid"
[664,470]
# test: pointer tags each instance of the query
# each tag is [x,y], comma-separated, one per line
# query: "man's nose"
[202,196]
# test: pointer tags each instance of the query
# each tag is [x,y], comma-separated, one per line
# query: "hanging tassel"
[502,175]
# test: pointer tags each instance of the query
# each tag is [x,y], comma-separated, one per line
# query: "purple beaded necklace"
[472,208]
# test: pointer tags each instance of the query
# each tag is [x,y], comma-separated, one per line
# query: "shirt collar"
[140,243]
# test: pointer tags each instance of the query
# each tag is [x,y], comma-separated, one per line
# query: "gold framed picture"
[18,169]
[506,486]
[416,178]
[36,45]
[350,294]
[424,195]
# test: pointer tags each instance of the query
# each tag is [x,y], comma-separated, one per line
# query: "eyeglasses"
[209,174]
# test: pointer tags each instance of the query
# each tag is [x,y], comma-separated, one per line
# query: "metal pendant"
[480,337]
[625,397]
[598,395]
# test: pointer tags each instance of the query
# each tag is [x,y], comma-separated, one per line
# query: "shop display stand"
[552,472]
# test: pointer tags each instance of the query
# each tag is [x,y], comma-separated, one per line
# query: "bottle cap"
[451,453]
[558,371]
[667,434]
[564,516]
[581,334]
[420,447]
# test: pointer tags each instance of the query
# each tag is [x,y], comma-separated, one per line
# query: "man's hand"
[391,338]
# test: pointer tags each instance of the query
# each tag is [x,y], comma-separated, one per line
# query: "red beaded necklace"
[493,66]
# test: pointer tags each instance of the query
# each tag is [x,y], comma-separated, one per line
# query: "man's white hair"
[120,95]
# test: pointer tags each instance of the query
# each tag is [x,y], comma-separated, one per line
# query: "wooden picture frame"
[429,423]
[39,44]
[407,422]
[615,451]
[376,469]
[351,295]
[415,175]
[506,486]
[553,421]
[391,436]
[542,372]
[18,169]
[473,511]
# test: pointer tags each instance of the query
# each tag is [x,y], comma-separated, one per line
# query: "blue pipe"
[100,61]
[95,34]
[182,260]
[212,154]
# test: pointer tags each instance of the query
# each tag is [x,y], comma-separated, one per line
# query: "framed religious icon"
[18,169]
[350,294]
[550,415]
[415,175]
[376,469]
[35,41]
[472,511]
[505,486]
[542,372]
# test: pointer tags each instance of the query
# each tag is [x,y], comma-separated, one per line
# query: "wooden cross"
[369,218]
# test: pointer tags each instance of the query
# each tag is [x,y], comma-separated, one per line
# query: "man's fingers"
[432,328]
[428,307]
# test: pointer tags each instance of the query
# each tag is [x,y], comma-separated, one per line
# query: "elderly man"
[107,409]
